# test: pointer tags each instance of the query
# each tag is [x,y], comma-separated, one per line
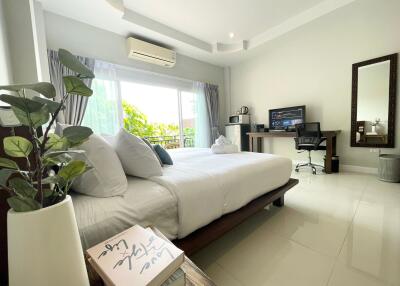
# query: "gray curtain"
[212,100]
[75,107]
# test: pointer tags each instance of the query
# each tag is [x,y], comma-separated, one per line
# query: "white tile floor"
[335,230]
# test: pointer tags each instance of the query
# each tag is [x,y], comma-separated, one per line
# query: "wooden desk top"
[327,133]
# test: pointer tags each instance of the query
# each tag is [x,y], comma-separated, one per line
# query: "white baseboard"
[346,168]
[359,169]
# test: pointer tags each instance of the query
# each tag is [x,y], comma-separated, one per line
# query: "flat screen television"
[286,118]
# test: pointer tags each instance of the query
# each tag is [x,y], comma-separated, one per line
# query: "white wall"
[86,40]
[21,40]
[40,44]
[312,66]
[5,65]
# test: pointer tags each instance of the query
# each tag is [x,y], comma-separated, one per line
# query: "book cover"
[135,257]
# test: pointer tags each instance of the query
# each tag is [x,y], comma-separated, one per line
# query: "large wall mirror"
[373,105]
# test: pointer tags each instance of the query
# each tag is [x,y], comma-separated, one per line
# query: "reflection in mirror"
[373,103]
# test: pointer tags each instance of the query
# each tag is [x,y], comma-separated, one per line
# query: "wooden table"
[256,138]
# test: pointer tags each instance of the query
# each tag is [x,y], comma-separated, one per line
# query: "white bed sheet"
[199,188]
[209,185]
[145,203]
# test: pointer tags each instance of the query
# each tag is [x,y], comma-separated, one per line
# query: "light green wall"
[93,42]
[312,65]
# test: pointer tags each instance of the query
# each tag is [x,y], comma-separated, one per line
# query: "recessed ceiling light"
[231,35]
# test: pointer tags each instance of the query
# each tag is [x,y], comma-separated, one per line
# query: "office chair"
[308,138]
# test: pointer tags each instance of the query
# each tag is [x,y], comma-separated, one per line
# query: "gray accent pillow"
[152,149]
[163,155]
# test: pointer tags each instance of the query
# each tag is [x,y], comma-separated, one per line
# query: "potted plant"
[43,241]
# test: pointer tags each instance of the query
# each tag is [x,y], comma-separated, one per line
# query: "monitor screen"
[286,118]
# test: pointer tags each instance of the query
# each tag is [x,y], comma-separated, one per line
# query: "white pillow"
[107,178]
[136,157]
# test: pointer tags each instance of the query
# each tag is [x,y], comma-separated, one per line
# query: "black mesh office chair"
[308,138]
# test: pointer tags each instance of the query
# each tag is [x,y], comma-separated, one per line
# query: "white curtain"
[104,111]
[202,122]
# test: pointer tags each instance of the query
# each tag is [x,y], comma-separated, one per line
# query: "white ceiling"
[213,20]
[198,28]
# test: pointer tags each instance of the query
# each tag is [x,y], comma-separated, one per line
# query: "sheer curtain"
[104,110]
[202,121]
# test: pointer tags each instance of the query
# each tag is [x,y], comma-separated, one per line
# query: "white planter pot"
[44,247]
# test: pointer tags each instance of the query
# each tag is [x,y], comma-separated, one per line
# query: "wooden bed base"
[205,235]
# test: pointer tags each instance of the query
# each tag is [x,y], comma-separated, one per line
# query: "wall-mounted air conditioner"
[140,50]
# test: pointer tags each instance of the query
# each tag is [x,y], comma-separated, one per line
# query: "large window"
[165,111]
[163,115]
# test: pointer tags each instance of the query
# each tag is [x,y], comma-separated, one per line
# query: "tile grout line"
[347,233]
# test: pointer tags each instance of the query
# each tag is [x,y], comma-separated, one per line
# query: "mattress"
[199,188]
[209,185]
[145,203]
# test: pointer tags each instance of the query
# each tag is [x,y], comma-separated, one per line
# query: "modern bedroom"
[172,143]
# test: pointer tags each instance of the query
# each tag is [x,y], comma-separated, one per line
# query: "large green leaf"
[5,175]
[52,105]
[71,62]
[16,146]
[22,204]
[44,88]
[53,154]
[77,134]
[57,160]
[22,188]
[24,104]
[36,119]
[72,170]
[56,143]
[54,180]
[7,163]
[76,86]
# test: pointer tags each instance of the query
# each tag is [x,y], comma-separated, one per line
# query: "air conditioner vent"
[144,51]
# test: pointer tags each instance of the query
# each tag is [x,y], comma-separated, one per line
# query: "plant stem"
[53,118]
[37,156]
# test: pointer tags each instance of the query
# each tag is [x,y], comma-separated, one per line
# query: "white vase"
[44,247]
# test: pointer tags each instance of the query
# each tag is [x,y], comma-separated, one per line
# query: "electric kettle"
[244,110]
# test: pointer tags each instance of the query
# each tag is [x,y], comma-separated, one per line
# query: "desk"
[255,142]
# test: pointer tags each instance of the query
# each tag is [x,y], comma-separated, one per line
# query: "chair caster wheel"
[314,172]
[296,170]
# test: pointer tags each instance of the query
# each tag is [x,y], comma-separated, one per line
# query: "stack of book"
[138,257]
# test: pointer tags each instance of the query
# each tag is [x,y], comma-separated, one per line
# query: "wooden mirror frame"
[392,102]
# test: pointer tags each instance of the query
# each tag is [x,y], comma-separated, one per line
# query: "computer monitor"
[286,118]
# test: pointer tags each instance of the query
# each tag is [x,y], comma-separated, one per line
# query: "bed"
[198,191]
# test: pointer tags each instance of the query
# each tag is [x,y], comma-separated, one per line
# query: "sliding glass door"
[165,116]
[168,111]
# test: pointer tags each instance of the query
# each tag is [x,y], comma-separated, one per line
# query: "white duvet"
[208,185]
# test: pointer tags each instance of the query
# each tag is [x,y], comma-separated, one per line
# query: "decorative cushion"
[136,157]
[152,149]
[163,155]
[107,178]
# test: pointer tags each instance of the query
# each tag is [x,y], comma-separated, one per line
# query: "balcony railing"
[172,141]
